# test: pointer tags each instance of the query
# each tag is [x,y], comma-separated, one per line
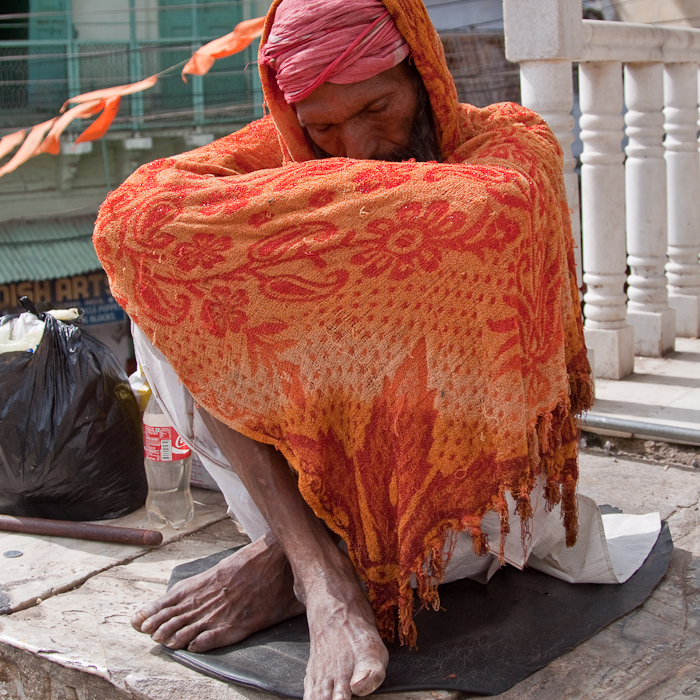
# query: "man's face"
[372,119]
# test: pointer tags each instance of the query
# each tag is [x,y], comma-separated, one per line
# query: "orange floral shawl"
[407,334]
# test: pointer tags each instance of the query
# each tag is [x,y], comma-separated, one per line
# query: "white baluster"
[603,219]
[645,185]
[547,88]
[681,97]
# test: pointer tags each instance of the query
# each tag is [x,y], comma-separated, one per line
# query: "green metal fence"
[56,61]
[37,75]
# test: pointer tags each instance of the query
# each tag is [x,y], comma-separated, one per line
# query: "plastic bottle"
[168,465]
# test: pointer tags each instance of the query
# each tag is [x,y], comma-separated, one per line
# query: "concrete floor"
[661,390]
[66,634]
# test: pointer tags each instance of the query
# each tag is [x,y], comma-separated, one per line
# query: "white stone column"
[648,311]
[603,219]
[547,88]
[681,98]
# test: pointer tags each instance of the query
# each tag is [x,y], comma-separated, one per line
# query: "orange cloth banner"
[11,141]
[101,125]
[241,37]
[29,148]
[106,93]
[52,142]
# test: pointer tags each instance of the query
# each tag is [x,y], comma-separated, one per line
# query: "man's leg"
[254,589]
[347,655]
[205,611]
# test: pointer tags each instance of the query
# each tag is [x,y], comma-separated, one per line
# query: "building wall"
[108,20]
[71,183]
[67,185]
[476,15]
[681,13]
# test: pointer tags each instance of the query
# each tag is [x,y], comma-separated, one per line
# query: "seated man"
[374,286]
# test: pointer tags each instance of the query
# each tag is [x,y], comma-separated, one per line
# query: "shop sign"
[89,292]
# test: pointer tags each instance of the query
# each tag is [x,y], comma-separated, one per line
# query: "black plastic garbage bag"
[71,443]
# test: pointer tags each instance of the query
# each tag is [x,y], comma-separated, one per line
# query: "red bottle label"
[163,444]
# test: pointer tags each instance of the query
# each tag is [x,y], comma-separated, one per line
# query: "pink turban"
[312,42]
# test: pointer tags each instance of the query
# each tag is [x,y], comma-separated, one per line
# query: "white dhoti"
[609,549]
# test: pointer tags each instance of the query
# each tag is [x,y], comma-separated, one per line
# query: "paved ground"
[661,390]
[76,642]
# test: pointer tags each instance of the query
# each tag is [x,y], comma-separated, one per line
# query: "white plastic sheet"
[24,333]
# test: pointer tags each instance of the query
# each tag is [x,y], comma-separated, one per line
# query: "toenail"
[358,679]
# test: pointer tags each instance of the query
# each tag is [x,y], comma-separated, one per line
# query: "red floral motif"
[305,241]
[399,431]
[270,260]
[414,242]
[224,202]
[154,220]
[261,218]
[288,178]
[163,304]
[501,232]
[377,177]
[264,348]
[205,250]
[222,312]
[321,198]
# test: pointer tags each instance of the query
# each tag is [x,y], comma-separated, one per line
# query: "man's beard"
[422,143]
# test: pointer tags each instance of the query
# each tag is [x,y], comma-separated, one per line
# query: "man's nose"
[358,141]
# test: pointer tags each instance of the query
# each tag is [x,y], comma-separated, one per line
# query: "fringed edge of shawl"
[553,452]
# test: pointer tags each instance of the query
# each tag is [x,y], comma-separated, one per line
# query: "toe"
[367,678]
[319,689]
[341,691]
[137,620]
[173,625]
[166,621]
[213,639]
[143,621]
[184,636]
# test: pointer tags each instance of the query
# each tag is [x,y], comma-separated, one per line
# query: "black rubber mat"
[486,639]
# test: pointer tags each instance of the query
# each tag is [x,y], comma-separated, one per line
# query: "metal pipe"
[80,531]
[105,162]
[673,433]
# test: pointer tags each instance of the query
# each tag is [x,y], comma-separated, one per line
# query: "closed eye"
[377,107]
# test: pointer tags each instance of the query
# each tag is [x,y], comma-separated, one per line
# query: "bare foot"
[347,654]
[248,591]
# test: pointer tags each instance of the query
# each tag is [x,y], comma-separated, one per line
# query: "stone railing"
[638,222]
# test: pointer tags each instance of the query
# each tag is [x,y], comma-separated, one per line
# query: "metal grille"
[480,69]
[37,77]
[34,84]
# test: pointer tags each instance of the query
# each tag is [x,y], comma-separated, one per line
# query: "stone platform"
[65,634]
[661,390]
[76,643]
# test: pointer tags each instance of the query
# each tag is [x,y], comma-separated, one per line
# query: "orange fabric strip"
[29,148]
[11,141]
[52,142]
[111,92]
[234,42]
[101,125]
